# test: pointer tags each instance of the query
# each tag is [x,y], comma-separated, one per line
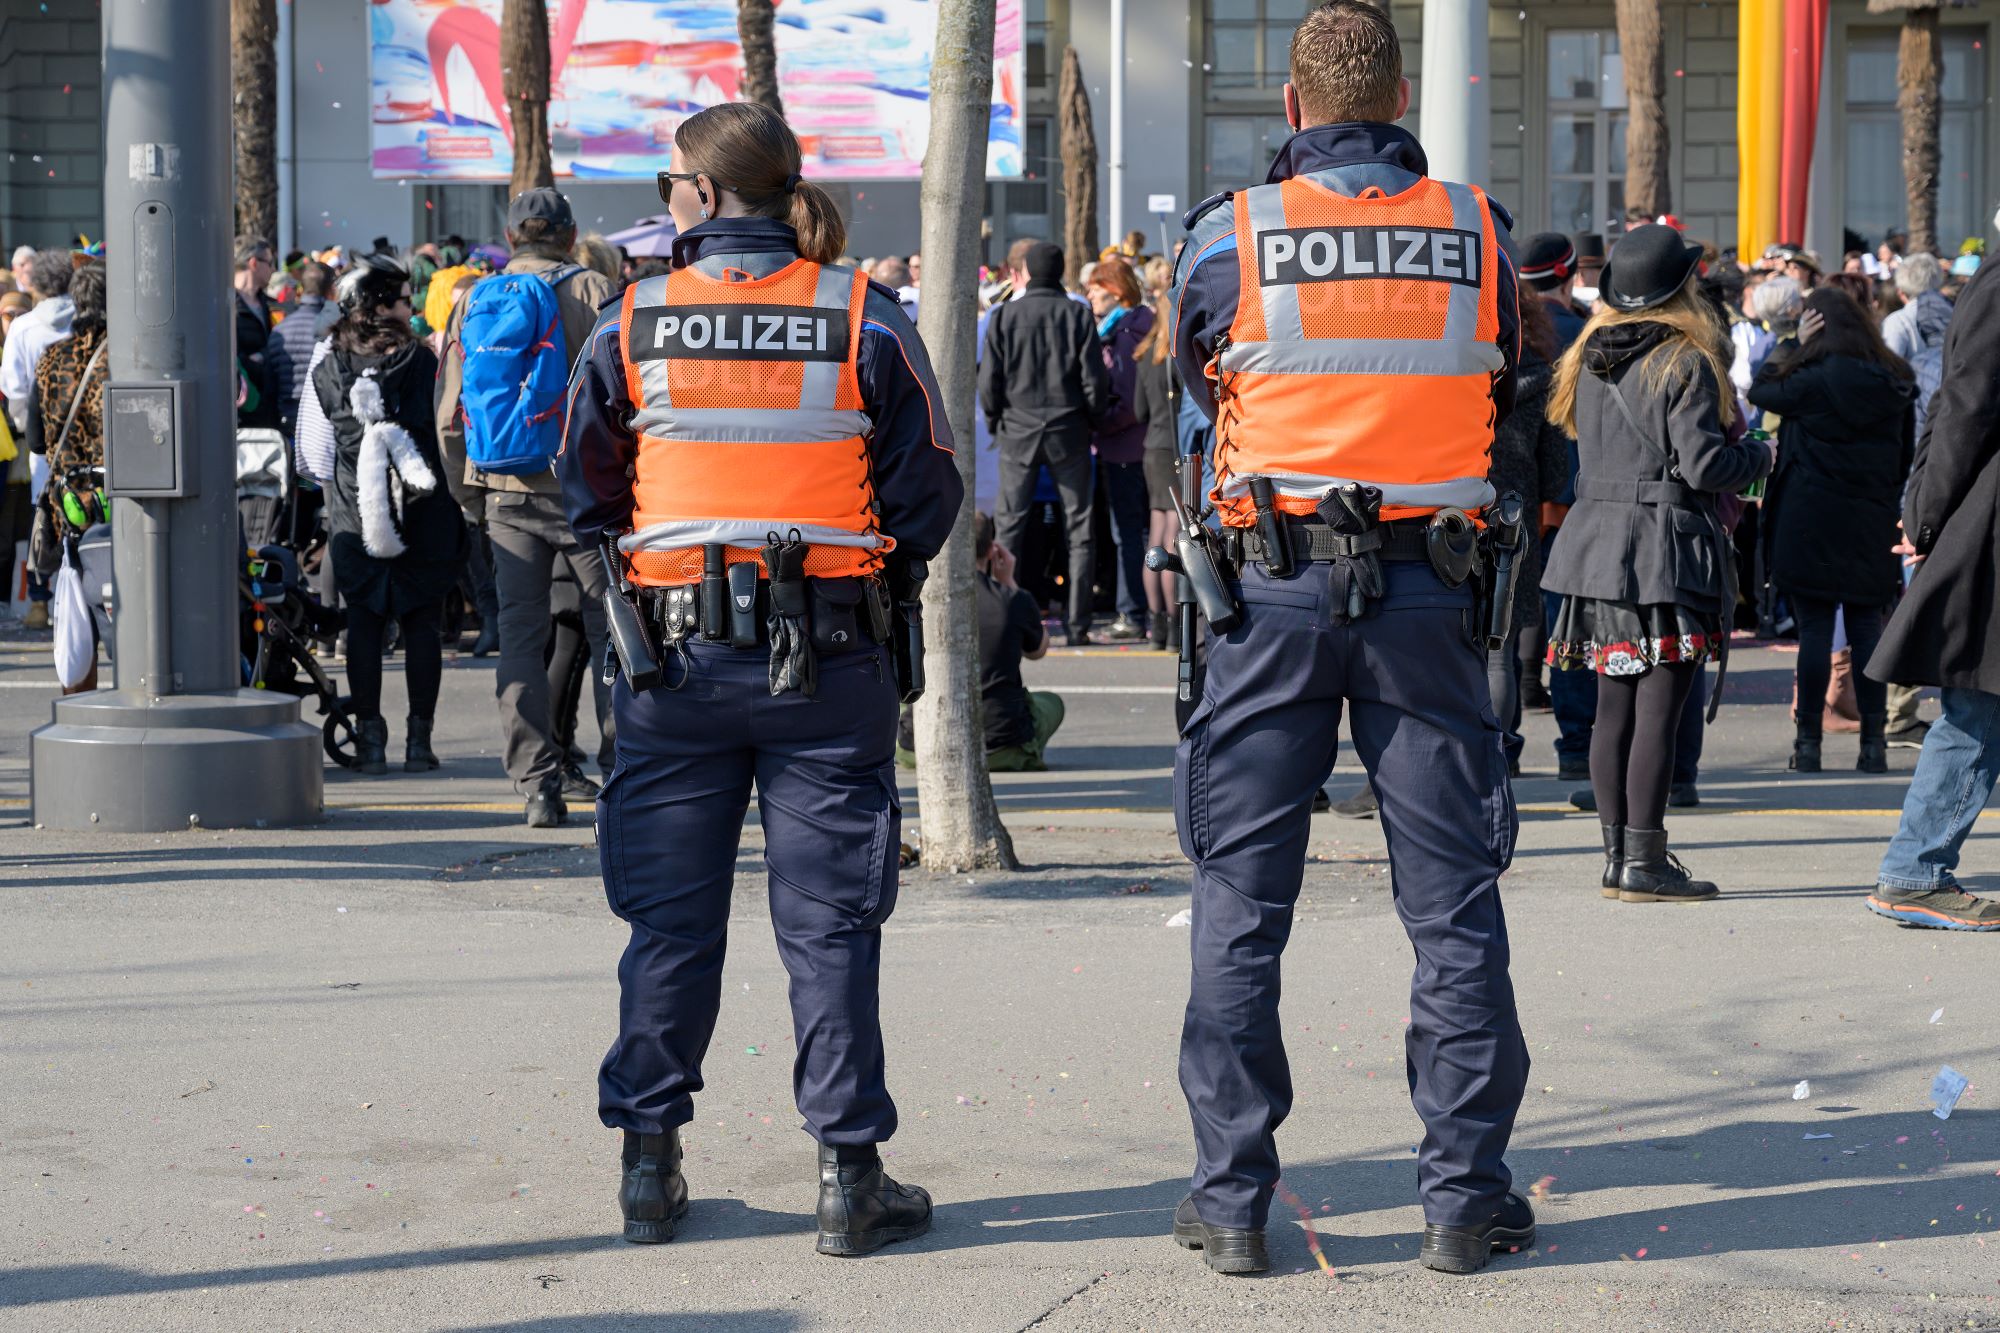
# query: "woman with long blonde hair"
[1643,564]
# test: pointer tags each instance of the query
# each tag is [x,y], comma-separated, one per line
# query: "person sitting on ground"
[1019,721]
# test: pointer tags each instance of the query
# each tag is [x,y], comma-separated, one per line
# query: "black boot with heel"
[371,745]
[1805,745]
[418,757]
[1653,874]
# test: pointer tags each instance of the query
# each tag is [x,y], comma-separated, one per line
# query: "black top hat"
[1589,245]
[1647,266]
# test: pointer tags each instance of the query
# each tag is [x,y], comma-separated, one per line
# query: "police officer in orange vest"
[1351,327]
[760,435]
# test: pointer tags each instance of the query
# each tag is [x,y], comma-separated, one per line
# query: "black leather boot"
[371,745]
[1614,857]
[1653,874]
[1510,1230]
[653,1194]
[1874,757]
[1805,745]
[1224,1249]
[860,1208]
[418,757]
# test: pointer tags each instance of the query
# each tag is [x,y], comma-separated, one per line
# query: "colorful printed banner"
[855,76]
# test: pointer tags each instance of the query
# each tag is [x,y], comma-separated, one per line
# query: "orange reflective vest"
[1363,349]
[750,421]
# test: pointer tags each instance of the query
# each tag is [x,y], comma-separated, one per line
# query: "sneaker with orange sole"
[1935,909]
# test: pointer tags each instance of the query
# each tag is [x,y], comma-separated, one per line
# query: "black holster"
[794,662]
[1504,533]
[906,591]
[627,644]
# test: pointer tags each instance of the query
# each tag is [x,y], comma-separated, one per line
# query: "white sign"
[1160,203]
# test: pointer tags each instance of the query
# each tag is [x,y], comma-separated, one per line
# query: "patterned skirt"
[1627,639]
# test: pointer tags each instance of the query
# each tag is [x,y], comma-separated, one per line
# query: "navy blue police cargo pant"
[668,828]
[1254,752]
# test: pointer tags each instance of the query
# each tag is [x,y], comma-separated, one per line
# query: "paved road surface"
[343,1077]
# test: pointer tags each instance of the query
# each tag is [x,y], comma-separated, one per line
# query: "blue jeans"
[1955,774]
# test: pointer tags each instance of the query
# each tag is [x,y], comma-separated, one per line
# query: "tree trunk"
[1079,164]
[253,63]
[961,824]
[1642,39]
[1919,97]
[524,69]
[754,29]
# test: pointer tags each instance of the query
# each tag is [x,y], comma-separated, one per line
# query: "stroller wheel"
[337,735]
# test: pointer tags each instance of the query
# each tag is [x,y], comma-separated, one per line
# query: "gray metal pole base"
[124,762]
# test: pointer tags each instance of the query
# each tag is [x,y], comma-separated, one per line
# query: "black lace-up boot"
[860,1208]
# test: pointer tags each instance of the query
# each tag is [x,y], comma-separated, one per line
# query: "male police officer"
[1351,328]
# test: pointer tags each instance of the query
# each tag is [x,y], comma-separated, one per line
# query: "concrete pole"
[178,742]
[1117,124]
[1457,101]
[288,162]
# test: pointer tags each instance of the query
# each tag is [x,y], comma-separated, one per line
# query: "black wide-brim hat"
[1647,266]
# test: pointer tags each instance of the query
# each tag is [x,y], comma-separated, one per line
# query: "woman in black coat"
[1642,561]
[397,537]
[1847,435]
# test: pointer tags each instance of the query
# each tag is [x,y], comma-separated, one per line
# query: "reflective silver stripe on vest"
[822,379]
[1461,492]
[652,374]
[1363,356]
[752,425]
[1282,321]
[1461,320]
[680,534]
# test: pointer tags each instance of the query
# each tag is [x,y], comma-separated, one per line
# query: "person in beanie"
[1643,561]
[1549,266]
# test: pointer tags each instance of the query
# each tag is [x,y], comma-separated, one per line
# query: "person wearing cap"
[526,527]
[1352,326]
[1549,266]
[1643,564]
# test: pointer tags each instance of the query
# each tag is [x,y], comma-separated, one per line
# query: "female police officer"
[758,431]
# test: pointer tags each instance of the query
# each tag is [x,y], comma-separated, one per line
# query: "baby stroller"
[280,617]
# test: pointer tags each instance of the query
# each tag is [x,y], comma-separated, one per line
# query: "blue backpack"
[516,372]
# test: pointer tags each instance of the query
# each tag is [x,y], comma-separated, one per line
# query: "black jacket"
[1644,530]
[253,337]
[432,529]
[1531,459]
[1947,629]
[1153,404]
[1844,448]
[1042,378]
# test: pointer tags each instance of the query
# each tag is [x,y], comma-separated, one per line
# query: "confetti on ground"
[1184,917]
[1819,1136]
[1540,1189]
[1803,1091]
[1937,1016]
[1946,1089]
[206,1085]
[1297,1205]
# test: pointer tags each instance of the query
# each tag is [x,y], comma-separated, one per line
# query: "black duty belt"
[1317,541]
[837,604]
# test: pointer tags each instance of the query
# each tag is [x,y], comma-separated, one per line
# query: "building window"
[1044,22]
[1245,62]
[1875,200]
[1586,92]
